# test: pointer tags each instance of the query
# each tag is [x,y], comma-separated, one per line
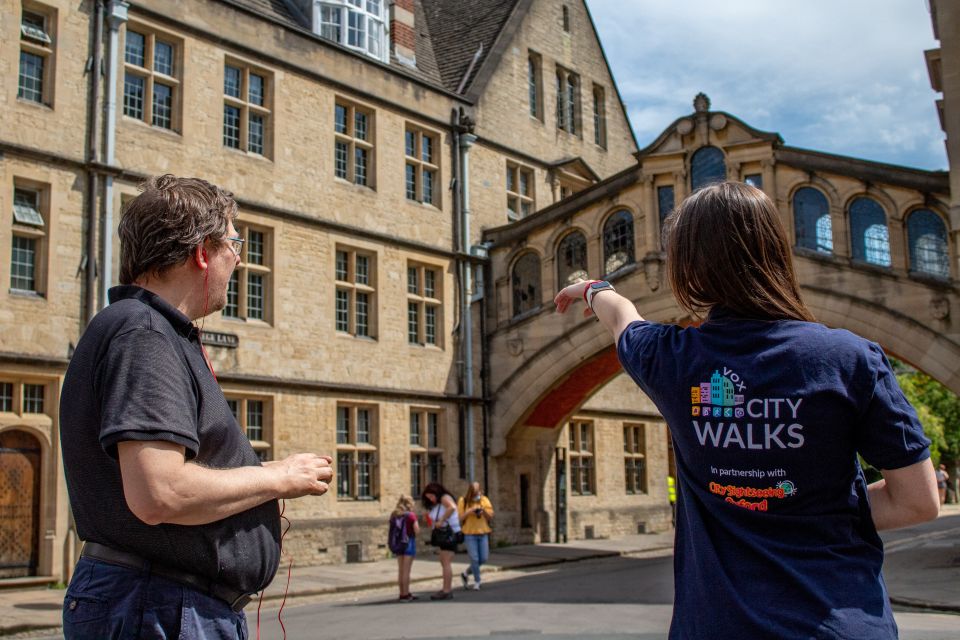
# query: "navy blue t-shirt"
[774,533]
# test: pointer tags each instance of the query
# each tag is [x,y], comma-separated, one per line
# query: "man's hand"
[302,474]
[570,294]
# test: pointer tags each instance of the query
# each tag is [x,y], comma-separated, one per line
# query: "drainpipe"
[117,16]
[484,295]
[455,185]
[93,130]
[69,558]
[466,317]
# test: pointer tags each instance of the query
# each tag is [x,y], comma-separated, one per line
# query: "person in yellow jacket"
[475,512]
[672,495]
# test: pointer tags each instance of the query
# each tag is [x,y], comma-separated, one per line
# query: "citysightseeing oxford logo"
[724,417]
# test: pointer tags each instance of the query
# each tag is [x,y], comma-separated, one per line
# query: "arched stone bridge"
[873,245]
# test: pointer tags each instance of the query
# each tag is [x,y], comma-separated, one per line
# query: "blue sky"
[841,76]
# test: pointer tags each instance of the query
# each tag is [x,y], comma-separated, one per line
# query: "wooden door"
[19,503]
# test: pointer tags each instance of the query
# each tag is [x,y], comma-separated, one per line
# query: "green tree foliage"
[938,409]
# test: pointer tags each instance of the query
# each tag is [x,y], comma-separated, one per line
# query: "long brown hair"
[435,489]
[726,246]
[472,490]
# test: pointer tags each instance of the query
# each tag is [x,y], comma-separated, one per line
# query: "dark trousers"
[106,601]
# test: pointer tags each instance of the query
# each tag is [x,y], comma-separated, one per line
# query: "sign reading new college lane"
[218,339]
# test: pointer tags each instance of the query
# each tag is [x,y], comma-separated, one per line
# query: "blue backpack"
[398,539]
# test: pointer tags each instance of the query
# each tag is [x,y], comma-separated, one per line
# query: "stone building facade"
[369,145]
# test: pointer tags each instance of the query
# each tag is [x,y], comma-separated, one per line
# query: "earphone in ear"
[204,252]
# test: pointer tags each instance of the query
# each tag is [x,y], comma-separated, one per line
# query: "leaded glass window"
[526,284]
[255,296]
[162,106]
[6,397]
[811,220]
[26,207]
[330,23]
[33,398]
[23,260]
[754,180]
[868,231]
[420,169]
[30,84]
[163,58]
[356,452]
[423,305]
[355,297]
[36,57]
[255,419]
[927,235]
[665,201]
[572,258]
[249,286]
[133,92]
[135,48]
[232,308]
[246,116]
[353,146]
[363,426]
[343,425]
[415,428]
[150,84]
[707,167]
[533,85]
[618,245]
[231,126]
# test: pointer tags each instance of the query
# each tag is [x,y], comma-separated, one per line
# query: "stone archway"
[20,477]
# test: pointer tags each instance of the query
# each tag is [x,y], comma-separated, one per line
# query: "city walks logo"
[724,417]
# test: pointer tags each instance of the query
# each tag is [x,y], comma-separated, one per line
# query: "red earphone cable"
[206,301]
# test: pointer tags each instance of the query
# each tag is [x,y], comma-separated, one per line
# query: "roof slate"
[277,9]
[458,28]
[426,68]
[448,34]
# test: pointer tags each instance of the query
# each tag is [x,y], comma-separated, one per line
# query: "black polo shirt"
[139,373]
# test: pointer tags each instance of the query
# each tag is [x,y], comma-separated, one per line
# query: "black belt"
[236,599]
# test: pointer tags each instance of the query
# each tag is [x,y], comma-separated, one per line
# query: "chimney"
[403,34]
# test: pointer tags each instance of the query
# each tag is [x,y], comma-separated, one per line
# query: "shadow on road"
[615,580]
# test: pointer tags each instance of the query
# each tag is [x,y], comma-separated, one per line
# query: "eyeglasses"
[236,243]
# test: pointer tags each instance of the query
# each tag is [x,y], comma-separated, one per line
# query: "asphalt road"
[604,599]
[607,599]
[614,598]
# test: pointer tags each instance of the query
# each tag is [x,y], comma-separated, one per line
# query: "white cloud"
[844,77]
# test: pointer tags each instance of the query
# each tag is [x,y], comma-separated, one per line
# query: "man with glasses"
[180,520]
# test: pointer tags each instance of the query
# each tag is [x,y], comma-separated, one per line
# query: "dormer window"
[357,24]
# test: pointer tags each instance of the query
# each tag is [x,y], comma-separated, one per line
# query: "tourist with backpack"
[402,540]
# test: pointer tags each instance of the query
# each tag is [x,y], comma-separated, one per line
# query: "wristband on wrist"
[593,289]
[587,288]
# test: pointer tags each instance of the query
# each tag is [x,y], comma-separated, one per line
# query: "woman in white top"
[442,510]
